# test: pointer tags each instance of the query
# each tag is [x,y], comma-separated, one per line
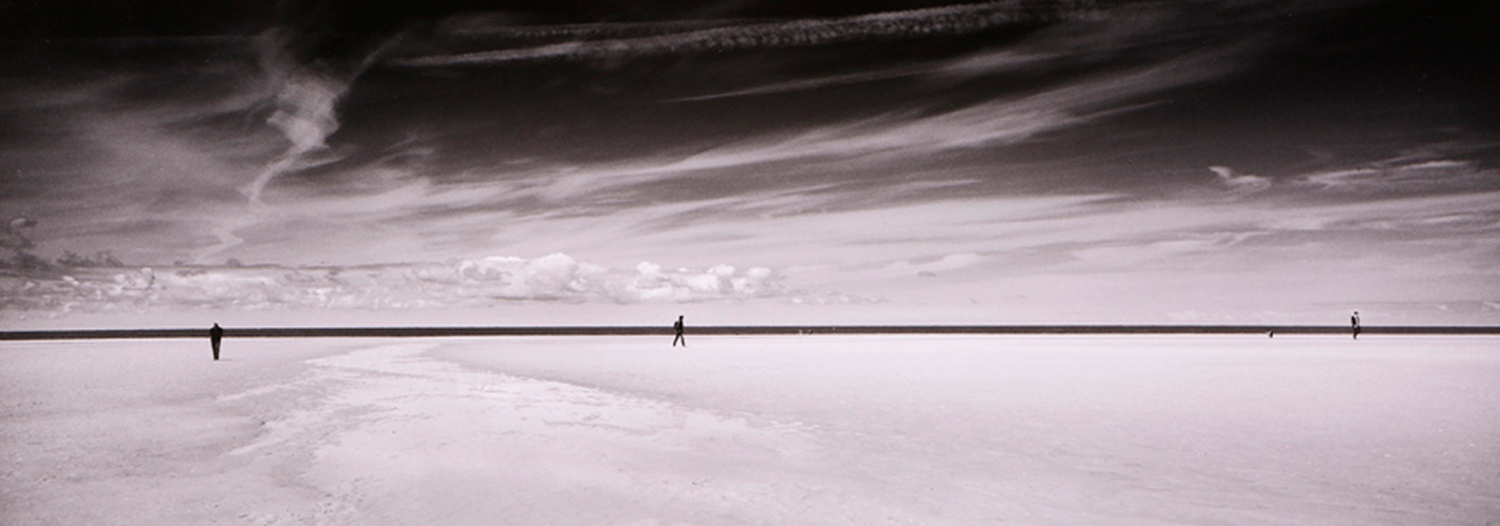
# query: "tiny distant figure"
[1354,321]
[678,327]
[1270,334]
[216,335]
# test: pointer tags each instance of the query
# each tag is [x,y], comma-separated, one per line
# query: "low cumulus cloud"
[457,283]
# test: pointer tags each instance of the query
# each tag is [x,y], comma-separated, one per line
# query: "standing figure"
[215,335]
[1354,320]
[678,327]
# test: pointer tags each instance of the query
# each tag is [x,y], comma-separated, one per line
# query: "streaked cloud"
[680,38]
[1405,175]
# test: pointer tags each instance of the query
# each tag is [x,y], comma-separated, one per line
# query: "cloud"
[947,263]
[977,65]
[1079,42]
[811,83]
[457,283]
[899,135]
[154,158]
[678,38]
[17,234]
[1405,175]
[305,99]
[1240,183]
[1289,248]
[291,104]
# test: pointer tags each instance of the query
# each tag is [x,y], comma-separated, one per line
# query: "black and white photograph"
[940,262]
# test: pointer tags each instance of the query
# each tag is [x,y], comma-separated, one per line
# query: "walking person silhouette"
[216,335]
[1354,320]
[678,327]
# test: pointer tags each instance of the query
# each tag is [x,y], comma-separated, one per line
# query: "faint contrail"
[952,20]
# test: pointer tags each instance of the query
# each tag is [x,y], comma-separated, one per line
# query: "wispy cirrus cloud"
[691,38]
[1403,175]
[907,134]
[176,159]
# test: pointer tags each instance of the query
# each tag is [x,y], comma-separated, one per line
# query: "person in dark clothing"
[678,327]
[216,335]
[1354,320]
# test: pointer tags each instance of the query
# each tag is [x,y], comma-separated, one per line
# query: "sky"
[752,161]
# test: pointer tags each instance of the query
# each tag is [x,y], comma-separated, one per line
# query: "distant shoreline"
[420,332]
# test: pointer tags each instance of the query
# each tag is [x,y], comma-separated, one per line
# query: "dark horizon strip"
[419,332]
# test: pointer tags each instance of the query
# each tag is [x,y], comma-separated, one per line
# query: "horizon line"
[723,330]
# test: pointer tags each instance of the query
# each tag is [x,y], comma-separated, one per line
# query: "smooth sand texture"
[754,430]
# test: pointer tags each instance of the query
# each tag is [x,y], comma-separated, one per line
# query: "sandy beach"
[938,429]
